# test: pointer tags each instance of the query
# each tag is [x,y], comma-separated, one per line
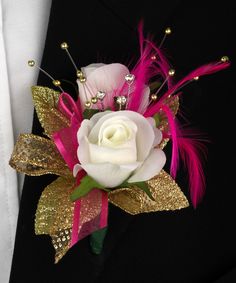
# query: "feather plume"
[193,153]
[201,71]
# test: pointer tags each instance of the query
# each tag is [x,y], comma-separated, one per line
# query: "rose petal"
[90,68]
[145,100]
[98,116]
[84,129]
[76,169]
[110,175]
[151,167]
[144,137]
[151,121]
[157,132]
[107,78]
[83,151]
[124,155]
[158,136]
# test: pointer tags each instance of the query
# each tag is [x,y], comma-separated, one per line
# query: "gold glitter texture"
[164,189]
[35,156]
[54,215]
[90,209]
[45,102]
[173,104]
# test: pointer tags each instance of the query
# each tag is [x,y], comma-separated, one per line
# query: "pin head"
[82,79]
[31,63]
[168,30]
[153,97]
[224,59]
[171,72]
[121,100]
[64,45]
[100,95]
[94,100]
[56,82]
[87,104]
[129,78]
[79,74]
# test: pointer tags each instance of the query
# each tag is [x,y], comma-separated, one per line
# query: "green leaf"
[86,185]
[97,239]
[154,86]
[157,119]
[88,113]
[141,185]
[144,187]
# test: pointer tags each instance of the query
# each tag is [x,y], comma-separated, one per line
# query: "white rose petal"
[157,132]
[125,155]
[145,134]
[150,167]
[110,175]
[83,151]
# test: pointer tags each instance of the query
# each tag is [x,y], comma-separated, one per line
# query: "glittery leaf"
[167,195]
[54,215]
[173,104]
[35,156]
[141,185]
[45,102]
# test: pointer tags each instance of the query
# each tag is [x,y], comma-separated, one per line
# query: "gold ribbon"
[45,102]
[173,104]
[165,191]
[35,156]
[54,215]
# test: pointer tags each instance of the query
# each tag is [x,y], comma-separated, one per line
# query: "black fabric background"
[182,246]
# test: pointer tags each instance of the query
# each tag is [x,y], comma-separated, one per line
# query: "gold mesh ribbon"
[45,102]
[54,215]
[167,195]
[35,156]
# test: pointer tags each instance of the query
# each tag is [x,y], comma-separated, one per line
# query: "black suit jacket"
[181,246]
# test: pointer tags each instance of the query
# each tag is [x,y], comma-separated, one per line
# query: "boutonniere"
[107,146]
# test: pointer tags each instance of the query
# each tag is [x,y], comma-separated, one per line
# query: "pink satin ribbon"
[68,106]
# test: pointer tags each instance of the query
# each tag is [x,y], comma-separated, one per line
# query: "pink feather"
[201,71]
[146,69]
[193,152]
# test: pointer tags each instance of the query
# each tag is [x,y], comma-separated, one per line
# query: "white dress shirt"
[23,26]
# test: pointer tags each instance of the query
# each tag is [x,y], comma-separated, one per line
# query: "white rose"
[116,146]
[110,79]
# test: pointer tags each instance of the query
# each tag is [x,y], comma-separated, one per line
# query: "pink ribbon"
[90,212]
[68,106]
[66,138]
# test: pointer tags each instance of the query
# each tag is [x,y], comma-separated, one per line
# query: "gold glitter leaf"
[173,104]
[54,215]
[35,156]
[45,102]
[167,195]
